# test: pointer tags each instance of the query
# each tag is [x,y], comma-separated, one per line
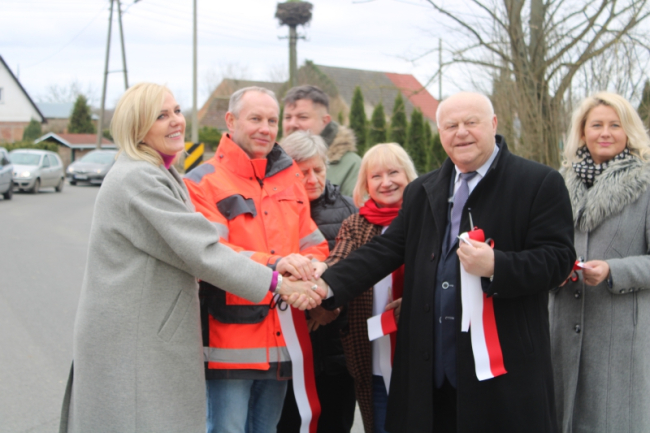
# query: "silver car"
[35,169]
[92,167]
[6,173]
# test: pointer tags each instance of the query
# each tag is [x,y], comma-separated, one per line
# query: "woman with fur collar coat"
[600,319]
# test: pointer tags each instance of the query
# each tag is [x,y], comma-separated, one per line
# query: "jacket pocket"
[214,299]
[175,316]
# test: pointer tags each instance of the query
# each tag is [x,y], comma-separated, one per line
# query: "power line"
[69,42]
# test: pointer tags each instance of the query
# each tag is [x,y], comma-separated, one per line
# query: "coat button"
[445,285]
[277,333]
[577,328]
[621,291]
[272,251]
[577,294]
[433,256]
[266,212]
[426,308]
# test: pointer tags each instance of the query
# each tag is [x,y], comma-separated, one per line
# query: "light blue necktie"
[460,198]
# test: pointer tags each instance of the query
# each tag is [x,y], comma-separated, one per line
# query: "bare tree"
[278,72]
[536,48]
[213,76]
[70,92]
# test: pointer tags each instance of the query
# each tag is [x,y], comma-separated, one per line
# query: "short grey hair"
[313,93]
[442,103]
[234,106]
[303,145]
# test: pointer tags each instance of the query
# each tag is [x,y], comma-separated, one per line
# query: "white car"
[35,169]
[6,174]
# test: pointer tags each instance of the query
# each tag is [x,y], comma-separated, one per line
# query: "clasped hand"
[299,288]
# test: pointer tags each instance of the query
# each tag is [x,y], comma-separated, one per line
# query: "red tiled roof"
[416,93]
[83,138]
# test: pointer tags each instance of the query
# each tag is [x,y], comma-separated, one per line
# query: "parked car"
[35,169]
[6,174]
[92,167]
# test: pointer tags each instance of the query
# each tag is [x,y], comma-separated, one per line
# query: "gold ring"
[314,287]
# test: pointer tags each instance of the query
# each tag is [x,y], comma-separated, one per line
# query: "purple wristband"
[274,282]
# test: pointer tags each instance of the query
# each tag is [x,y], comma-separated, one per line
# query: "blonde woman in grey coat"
[137,356]
[600,323]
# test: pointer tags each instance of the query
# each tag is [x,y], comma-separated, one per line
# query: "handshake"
[302,286]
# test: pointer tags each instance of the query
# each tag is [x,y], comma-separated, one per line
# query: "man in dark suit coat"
[524,207]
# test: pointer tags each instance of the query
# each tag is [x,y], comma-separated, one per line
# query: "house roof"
[56,110]
[23,90]
[77,141]
[340,83]
[213,112]
[382,87]
[416,93]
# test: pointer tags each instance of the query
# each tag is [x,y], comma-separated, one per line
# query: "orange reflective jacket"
[260,209]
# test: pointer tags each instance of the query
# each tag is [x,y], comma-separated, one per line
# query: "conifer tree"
[32,131]
[80,120]
[417,146]
[644,106]
[398,123]
[358,121]
[436,152]
[377,133]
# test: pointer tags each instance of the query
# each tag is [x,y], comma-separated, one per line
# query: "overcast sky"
[53,43]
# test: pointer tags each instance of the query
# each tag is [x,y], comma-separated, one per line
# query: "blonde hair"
[637,137]
[303,145]
[135,114]
[384,155]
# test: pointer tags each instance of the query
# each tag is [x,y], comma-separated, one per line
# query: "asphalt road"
[43,243]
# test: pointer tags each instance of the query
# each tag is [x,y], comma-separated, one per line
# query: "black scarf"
[587,170]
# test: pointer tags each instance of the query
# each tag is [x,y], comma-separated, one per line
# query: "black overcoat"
[524,207]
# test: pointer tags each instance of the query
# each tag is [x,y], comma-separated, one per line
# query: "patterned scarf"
[587,170]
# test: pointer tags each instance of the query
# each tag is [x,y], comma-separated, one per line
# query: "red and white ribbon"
[383,328]
[296,335]
[478,318]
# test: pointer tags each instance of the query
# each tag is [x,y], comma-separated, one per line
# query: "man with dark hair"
[306,108]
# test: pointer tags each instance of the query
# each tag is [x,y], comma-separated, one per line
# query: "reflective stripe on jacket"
[260,209]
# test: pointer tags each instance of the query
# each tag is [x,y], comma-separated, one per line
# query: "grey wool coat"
[137,356]
[600,336]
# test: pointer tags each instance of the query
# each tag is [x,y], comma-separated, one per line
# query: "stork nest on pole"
[293,13]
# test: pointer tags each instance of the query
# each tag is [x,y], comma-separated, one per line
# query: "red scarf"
[383,216]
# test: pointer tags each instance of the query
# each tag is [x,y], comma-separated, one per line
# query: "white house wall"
[14,106]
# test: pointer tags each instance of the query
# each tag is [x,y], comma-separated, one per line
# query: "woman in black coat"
[329,208]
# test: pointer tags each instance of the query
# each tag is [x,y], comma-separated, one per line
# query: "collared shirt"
[481,171]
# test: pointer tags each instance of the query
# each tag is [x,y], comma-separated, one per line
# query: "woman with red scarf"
[385,171]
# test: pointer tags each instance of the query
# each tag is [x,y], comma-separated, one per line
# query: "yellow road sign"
[194,155]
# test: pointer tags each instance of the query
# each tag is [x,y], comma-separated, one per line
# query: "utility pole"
[100,124]
[292,14]
[119,19]
[195,116]
[293,61]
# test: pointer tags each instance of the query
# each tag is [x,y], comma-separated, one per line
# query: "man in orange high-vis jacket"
[252,193]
